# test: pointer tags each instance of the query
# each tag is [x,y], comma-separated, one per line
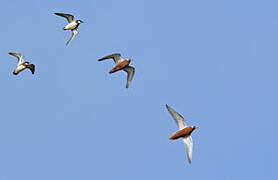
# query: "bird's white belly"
[19,69]
[70,26]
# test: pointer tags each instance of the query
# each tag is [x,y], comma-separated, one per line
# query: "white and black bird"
[72,25]
[21,65]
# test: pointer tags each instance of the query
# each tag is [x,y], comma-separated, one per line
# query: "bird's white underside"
[71,26]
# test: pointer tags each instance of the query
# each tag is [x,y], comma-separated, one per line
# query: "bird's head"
[130,60]
[194,127]
[79,21]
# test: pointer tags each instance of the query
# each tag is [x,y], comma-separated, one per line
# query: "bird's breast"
[19,69]
[121,65]
[70,26]
[182,133]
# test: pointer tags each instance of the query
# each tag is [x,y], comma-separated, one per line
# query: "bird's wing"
[19,56]
[74,32]
[32,68]
[116,57]
[177,117]
[189,147]
[69,17]
[130,73]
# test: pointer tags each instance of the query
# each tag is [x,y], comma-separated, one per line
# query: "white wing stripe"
[177,117]
[189,147]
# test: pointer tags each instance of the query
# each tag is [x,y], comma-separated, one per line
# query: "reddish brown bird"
[121,64]
[184,132]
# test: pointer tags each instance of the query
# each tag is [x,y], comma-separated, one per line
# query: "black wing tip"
[110,56]
[32,68]
[169,108]
[60,14]
[103,58]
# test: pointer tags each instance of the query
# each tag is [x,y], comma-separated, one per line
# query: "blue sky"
[215,62]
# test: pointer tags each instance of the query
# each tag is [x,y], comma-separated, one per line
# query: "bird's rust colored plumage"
[120,66]
[183,132]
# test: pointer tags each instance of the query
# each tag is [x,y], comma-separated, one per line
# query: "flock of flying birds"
[184,131]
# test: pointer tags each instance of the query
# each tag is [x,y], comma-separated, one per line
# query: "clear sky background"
[215,62]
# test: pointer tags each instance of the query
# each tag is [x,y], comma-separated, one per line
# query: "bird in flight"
[72,25]
[184,132]
[21,64]
[121,64]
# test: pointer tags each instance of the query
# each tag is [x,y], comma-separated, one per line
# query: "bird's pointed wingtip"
[189,159]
